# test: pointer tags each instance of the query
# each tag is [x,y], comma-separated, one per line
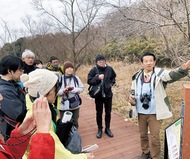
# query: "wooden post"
[186,124]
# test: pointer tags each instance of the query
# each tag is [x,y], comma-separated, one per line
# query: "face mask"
[55,65]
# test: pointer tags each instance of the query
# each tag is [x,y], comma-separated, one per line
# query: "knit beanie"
[100,57]
[41,80]
[66,65]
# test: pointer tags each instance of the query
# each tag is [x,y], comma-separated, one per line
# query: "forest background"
[121,30]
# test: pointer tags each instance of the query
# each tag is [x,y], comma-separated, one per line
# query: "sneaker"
[145,156]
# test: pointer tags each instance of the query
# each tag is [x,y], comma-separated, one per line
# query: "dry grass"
[122,89]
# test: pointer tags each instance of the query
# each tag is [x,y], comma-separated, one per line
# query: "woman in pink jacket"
[42,143]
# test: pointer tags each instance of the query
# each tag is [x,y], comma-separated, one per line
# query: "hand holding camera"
[132,99]
[68,88]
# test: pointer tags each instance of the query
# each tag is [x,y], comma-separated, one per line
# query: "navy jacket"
[12,106]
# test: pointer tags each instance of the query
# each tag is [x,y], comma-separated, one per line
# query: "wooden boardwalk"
[124,145]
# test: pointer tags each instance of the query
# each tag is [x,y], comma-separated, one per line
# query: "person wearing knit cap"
[100,57]
[70,89]
[102,73]
[66,65]
[41,80]
[46,83]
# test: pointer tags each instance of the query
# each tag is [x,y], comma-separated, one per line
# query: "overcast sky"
[12,11]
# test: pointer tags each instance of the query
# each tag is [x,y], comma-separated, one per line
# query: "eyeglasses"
[101,60]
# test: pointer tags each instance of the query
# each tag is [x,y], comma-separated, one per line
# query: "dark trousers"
[107,104]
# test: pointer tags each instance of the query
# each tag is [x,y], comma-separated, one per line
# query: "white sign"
[173,134]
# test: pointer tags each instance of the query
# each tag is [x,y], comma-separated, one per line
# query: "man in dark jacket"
[105,74]
[12,97]
[28,58]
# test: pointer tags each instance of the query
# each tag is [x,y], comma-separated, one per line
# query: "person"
[105,74]
[46,83]
[70,88]
[42,143]
[28,58]
[13,105]
[149,96]
[53,65]
[38,64]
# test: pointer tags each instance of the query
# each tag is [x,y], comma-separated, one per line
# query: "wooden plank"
[126,141]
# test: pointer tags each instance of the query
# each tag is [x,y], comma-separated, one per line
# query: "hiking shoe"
[145,155]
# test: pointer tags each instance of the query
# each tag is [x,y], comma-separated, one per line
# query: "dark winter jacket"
[28,68]
[109,78]
[12,105]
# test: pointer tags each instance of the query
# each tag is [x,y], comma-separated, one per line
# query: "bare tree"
[74,18]
[7,34]
[166,19]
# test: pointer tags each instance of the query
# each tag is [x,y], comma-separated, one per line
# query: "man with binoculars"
[149,96]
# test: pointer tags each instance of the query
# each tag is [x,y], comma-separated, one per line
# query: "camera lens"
[145,106]
[145,99]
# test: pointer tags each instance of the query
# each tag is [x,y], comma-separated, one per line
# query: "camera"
[70,88]
[145,99]
[133,97]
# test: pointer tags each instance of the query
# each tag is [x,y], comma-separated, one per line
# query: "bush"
[129,51]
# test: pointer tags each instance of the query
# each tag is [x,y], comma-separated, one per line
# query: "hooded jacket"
[163,108]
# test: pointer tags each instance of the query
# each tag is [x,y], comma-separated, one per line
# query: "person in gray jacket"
[71,87]
[152,105]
